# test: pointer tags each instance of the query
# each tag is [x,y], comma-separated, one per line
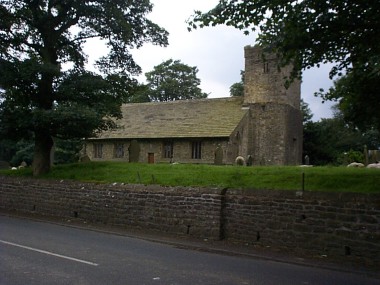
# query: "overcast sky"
[217,52]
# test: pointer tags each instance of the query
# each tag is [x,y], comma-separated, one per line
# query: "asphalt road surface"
[43,253]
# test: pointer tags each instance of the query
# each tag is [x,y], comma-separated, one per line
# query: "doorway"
[150,157]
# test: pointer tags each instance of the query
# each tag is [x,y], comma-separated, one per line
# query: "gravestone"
[366,161]
[249,160]
[134,151]
[218,160]
[307,160]
[373,156]
[84,158]
[23,164]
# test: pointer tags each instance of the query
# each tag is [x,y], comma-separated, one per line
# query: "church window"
[168,149]
[119,150]
[196,150]
[98,150]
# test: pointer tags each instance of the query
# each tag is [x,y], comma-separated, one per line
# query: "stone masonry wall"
[276,134]
[265,83]
[332,224]
[175,210]
[181,150]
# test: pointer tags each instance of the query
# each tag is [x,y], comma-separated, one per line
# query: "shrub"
[349,157]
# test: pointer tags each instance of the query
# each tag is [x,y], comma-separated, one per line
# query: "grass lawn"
[330,179]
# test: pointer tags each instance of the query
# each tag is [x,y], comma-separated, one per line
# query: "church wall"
[276,137]
[182,150]
[265,82]
[294,137]
[239,143]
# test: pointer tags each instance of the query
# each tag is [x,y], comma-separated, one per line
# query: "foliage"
[346,158]
[24,152]
[329,179]
[308,33]
[141,94]
[173,80]
[237,89]
[65,151]
[45,88]
[7,149]
[358,99]
[307,115]
[327,140]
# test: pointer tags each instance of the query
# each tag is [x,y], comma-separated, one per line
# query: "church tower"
[275,119]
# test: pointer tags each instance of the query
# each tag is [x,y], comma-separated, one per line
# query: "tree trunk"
[43,144]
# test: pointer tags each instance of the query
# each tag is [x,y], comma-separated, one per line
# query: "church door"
[150,157]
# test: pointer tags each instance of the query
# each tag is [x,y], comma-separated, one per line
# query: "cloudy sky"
[217,52]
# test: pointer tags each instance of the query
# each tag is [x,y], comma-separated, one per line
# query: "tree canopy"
[358,99]
[45,90]
[173,80]
[306,33]
[333,141]
[309,33]
[237,89]
[307,114]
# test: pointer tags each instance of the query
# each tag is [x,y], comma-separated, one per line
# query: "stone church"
[264,126]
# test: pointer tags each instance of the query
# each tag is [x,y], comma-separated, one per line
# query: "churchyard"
[326,179]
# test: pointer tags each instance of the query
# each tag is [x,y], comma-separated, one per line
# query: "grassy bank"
[333,179]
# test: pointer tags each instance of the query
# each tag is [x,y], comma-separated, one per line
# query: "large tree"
[173,80]
[308,33]
[358,99]
[44,87]
[327,141]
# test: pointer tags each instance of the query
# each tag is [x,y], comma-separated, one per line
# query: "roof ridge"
[231,98]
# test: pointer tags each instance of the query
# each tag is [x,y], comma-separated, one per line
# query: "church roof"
[178,119]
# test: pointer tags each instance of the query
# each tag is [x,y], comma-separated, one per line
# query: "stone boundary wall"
[332,224]
[176,210]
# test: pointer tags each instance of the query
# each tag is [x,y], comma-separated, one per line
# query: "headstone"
[22,165]
[373,156]
[218,160]
[307,160]
[134,151]
[84,158]
[249,160]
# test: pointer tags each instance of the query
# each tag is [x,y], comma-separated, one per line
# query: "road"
[44,253]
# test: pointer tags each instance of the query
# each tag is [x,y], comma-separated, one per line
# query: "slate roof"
[179,119]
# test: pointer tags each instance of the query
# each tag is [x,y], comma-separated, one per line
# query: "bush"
[24,154]
[349,157]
